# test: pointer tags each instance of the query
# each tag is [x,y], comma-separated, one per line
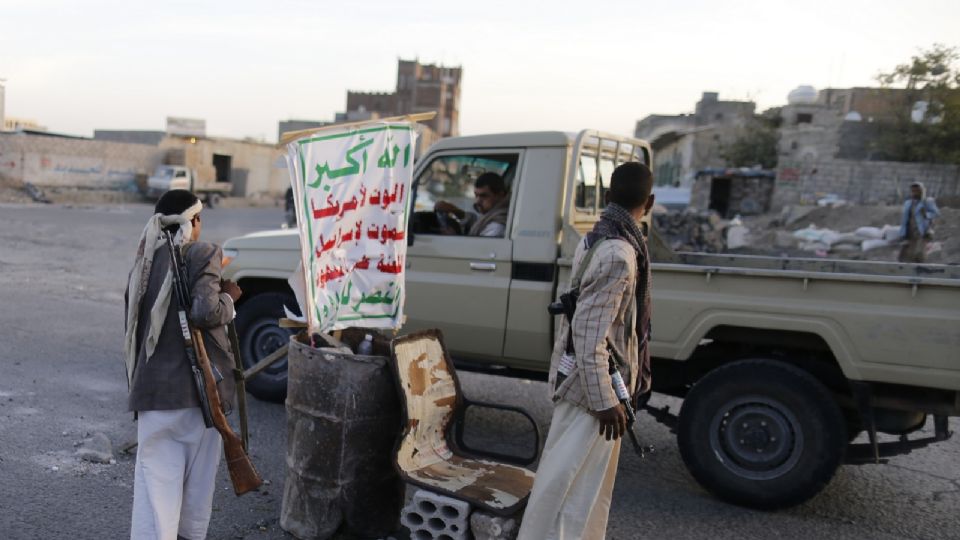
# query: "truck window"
[181,174]
[592,183]
[451,179]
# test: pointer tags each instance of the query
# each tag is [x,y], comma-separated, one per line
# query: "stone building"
[730,192]
[420,88]
[686,143]
[825,149]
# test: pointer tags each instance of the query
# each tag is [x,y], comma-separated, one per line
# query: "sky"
[75,66]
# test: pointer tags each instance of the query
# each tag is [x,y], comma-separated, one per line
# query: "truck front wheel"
[761,433]
[260,334]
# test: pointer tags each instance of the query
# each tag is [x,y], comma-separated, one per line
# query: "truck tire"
[259,334]
[761,433]
[213,200]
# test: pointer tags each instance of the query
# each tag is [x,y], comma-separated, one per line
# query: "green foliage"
[756,143]
[931,76]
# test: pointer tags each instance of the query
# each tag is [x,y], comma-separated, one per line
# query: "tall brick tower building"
[420,87]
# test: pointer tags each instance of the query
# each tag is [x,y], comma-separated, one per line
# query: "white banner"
[351,188]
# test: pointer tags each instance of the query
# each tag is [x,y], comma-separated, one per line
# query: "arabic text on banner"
[351,191]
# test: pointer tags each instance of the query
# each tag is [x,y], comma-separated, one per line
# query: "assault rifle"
[242,473]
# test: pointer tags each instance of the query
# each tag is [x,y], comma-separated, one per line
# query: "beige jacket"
[607,307]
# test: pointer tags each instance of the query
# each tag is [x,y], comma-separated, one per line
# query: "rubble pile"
[816,239]
[692,231]
[848,232]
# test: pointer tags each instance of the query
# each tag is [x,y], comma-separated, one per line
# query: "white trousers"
[574,483]
[177,460]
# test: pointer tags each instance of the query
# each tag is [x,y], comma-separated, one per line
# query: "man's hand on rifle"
[231,288]
[613,422]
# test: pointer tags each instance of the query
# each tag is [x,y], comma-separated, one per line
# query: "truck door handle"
[483,266]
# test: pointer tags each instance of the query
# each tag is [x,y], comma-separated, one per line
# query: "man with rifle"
[179,371]
[603,340]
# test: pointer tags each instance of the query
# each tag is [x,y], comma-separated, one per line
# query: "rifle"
[624,396]
[243,475]
[241,385]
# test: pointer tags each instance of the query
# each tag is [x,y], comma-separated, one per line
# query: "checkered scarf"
[617,222]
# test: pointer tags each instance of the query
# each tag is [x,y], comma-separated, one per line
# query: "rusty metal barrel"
[343,418]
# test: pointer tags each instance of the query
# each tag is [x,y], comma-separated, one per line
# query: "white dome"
[919,111]
[802,95]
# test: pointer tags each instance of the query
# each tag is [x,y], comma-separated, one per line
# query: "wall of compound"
[861,182]
[65,162]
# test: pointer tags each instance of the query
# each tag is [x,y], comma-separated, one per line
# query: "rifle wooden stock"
[242,473]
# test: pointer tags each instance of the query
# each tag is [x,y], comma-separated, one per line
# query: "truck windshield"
[164,172]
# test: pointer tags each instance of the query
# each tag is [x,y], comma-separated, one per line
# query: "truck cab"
[488,295]
[168,177]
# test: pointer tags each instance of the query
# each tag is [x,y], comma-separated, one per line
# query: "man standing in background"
[177,456]
[916,225]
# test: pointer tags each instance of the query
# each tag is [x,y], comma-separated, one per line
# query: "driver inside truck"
[491,203]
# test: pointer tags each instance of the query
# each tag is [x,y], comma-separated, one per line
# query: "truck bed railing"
[600,146]
[837,269]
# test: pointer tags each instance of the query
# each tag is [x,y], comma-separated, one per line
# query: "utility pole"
[2,97]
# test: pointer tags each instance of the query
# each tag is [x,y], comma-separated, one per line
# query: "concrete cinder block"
[431,516]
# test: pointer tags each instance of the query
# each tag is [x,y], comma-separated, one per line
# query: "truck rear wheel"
[761,433]
[260,334]
[213,200]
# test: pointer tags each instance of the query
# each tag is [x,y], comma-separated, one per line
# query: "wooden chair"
[431,452]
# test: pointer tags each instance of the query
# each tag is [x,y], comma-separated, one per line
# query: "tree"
[756,143]
[915,134]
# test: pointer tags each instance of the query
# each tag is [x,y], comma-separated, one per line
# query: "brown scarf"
[497,214]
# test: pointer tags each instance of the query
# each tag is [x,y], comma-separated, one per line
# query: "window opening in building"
[222,165]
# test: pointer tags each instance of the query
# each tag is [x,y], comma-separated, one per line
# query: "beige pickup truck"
[780,362]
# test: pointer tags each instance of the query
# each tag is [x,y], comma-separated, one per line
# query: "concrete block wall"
[748,196]
[861,182]
[700,193]
[64,162]
[95,164]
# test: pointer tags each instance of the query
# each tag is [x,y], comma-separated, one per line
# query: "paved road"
[62,273]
